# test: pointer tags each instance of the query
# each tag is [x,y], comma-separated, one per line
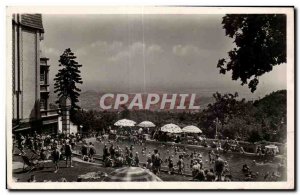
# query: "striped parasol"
[171,128]
[191,129]
[128,174]
[125,123]
[146,124]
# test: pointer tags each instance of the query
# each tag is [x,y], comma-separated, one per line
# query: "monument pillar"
[65,104]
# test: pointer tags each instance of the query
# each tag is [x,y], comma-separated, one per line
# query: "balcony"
[49,113]
[43,62]
[44,88]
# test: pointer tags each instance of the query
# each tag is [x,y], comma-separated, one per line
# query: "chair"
[31,164]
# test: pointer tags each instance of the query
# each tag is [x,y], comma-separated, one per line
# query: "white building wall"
[29,75]
[73,127]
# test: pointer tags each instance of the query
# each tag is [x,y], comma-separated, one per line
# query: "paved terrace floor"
[71,174]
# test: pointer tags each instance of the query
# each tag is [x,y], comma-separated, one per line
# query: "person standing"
[84,152]
[156,162]
[219,167]
[73,141]
[105,152]
[112,151]
[171,165]
[56,157]
[68,153]
[136,159]
[130,158]
[149,161]
[92,151]
[180,165]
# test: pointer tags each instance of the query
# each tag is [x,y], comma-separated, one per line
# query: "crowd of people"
[263,151]
[115,156]
[173,159]
[40,148]
[228,146]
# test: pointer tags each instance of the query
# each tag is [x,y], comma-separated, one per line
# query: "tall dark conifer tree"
[67,78]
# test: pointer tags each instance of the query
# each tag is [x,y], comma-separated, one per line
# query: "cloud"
[48,51]
[186,50]
[155,49]
[136,49]
[116,50]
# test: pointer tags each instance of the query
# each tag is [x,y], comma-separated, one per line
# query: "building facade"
[30,82]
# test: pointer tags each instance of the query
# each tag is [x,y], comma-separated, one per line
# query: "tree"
[125,113]
[224,108]
[260,44]
[67,78]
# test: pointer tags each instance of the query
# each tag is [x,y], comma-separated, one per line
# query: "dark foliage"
[264,119]
[260,44]
[67,78]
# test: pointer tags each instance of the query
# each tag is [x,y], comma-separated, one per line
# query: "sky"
[149,53]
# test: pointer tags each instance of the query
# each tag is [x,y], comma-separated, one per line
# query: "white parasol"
[191,129]
[273,147]
[146,124]
[171,128]
[132,174]
[125,123]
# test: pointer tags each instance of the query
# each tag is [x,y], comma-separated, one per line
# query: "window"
[42,77]
[42,104]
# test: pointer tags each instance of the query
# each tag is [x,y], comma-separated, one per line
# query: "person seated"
[245,169]
[108,162]
[204,143]
[200,175]
[226,167]
[241,149]
[248,177]
[267,176]
[192,163]
[219,147]
[43,155]
[213,145]
[195,169]
[177,139]
[228,178]
[226,145]
[210,175]
[273,153]
[31,179]
[275,176]
[144,166]
[119,161]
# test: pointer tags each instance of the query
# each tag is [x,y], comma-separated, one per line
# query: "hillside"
[273,106]
[89,100]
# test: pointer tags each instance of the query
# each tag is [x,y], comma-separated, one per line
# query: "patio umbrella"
[171,128]
[93,175]
[125,123]
[191,129]
[128,174]
[271,147]
[146,124]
